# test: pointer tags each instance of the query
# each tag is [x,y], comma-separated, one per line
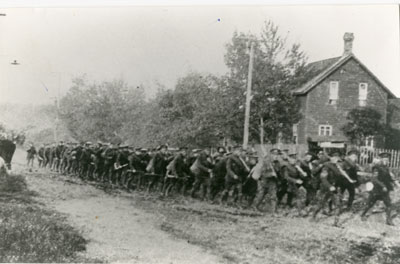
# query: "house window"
[333,92]
[362,94]
[325,130]
[295,126]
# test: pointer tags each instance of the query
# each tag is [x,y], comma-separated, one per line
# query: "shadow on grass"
[31,233]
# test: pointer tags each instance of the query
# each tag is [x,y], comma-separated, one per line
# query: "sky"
[156,44]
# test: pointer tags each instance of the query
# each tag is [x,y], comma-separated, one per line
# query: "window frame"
[324,129]
[362,101]
[333,99]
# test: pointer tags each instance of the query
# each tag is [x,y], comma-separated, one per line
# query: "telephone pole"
[248,99]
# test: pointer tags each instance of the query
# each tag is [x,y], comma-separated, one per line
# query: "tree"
[277,69]
[109,111]
[188,115]
[363,122]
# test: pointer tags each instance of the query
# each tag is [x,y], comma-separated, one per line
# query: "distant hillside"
[36,121]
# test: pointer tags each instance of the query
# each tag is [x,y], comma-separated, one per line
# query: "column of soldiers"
[278,180]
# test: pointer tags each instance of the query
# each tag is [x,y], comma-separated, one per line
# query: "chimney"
[348,43]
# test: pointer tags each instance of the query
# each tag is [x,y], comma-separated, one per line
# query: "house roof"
[324,68]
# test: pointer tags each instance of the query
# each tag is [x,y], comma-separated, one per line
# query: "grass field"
[31,233]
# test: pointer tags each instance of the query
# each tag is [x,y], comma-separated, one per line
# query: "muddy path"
[139,228]
[117,230]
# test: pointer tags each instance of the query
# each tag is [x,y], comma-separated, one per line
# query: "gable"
[336,63]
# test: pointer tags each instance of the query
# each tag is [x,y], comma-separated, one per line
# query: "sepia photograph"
[199,133]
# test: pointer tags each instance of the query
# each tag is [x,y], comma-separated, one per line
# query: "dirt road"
[117,230]
[137,228]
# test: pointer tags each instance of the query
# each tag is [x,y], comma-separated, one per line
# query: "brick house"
[338,85]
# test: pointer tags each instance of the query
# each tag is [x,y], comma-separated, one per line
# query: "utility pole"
[248,99]
[57,104]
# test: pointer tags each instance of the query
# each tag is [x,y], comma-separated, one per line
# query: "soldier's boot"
[274,207]
[336,221]
[224,196]
[389,220]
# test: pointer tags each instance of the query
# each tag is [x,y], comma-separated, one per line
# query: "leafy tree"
[188,114]
[277,69]
[108,111]
[363,122]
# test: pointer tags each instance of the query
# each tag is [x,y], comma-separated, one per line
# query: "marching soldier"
[41,156]
[331,180]
[217,177]
[351,168]
[201,169]
[47,155]
[236,172]
[58,151]
[121,164]
[294,177]
[382,186]
[157,167]
[31,154]
[85,160]
[177,173]
[266,174]
[309,181]
[136,168]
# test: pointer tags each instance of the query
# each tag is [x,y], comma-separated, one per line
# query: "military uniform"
[201,170]
[31,153]
[108,156]
[266,175]
[177,174]
[351,169]
[330,176]
[291,174]
[383,184]
[236,172]
[41,156]
[85,160]
[121,164]
[136,170]
[158,168]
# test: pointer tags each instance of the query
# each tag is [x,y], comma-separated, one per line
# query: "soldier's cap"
[143,149]
[99,142]
[88,143]
[196,150]
[123,146]
[285,150]
[292,154]
[275,151]
[384,155]
[352,151]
